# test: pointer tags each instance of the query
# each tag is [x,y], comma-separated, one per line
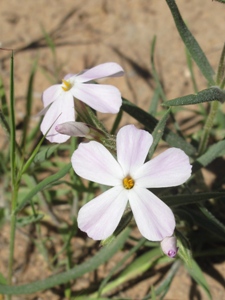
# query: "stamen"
[128,182]
[67,85]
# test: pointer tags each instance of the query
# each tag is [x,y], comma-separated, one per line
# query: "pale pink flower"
[169,246]
[58,99]
[130,177]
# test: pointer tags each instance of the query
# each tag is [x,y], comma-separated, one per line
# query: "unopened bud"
[169,246]
[73,129]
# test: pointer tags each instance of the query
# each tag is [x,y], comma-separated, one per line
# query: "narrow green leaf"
[154,72]
[186,199]
[23,221]
[40,186]
[212,153]
[196,273]
[150,123]
[28,105]
[221,68]
[158,133]
[138,266]
[190,42]
[207,95]
[184,248]
[164,286]
[44,153]
[4,105]
[118,266]
[100,258]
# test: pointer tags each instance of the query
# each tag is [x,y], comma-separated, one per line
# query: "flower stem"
[14,184]
[207,128]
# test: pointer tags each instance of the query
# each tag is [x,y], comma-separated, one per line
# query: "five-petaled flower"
[130,177]
[58,99]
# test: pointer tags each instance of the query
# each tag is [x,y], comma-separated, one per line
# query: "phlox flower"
[58,99]
[130,177]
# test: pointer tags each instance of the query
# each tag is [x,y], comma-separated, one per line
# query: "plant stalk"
[208,126]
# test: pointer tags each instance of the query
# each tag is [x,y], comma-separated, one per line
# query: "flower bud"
[73,129]
[169,246]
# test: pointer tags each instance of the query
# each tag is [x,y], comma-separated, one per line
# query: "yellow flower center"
[66,85]
[128,182]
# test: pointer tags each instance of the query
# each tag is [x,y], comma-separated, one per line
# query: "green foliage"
[38,183]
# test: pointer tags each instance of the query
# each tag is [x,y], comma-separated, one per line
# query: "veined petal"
[170,168]
[94,162]
[103,98]
[154,218]
[51,94]
[109,69]
[132,148]
[61,111]
[100,217]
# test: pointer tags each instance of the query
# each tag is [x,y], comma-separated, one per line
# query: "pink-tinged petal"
[154,218]
[109,69]
[61,111]
[100,217]
[69,76]
[132,148]
[103,98]
[51,94]
[94,162]
[170,168]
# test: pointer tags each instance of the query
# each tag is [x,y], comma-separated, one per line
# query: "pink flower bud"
[73,129]
[169,246]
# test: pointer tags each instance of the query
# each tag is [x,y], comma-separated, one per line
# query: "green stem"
[14,184]
[208,127]
[12,238]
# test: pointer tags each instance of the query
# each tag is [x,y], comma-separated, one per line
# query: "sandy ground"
[90,32]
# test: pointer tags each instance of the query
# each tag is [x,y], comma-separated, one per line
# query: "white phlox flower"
[58,99]
[130,177]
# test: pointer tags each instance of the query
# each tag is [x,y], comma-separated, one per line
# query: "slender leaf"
[44,153]
[212,153]
[158,133]
[186,199]
[190,42]
[138,266]
[23,221]
[196,273]
[207,95]
[28,105]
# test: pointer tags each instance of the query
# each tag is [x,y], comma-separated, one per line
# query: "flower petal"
[51,94]
[154,218]
[109,69]
[61,111]
[103,98]
[132,147]
[100,217]
[170,168]
[94,162]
